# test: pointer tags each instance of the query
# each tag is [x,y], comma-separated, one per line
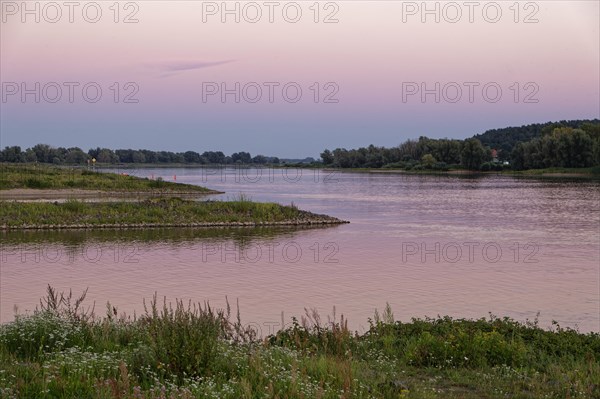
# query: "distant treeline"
[571,144]
[562,147]
[505,140]
[75,155]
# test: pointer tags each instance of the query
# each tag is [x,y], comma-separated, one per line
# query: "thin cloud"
[167,69]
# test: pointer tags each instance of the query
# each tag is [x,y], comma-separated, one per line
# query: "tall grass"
[172,350]
[156,211]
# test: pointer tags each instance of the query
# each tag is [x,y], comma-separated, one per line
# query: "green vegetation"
[566,144]
[52,177]
[563,147]
[504,140]
[45,153]
[186,350]
[158,210]
[152,212]
[563,144]
[593,171]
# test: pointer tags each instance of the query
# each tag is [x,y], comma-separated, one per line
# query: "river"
[464,246]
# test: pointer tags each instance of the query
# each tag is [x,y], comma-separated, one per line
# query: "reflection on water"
[176,236]
[428,245]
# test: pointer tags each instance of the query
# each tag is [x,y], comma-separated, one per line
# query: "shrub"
[394,165]
[313,336]
[181,341]
[487,166]
[33,336]
[158,183]
[441,166]
[33,182]
[490,166]
[74,206]
[493,349]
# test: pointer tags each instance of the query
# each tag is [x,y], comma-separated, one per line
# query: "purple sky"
[367,72]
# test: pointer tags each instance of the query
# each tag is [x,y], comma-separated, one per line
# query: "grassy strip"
[568,172]
[592,171]
[152,213]
[51,177]
[191,350]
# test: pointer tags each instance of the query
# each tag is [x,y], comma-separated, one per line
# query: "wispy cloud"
[171,68]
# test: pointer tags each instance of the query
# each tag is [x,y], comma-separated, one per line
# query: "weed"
[185,350]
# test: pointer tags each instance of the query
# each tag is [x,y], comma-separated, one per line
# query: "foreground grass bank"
[194,351]
[33,176]
[156,212]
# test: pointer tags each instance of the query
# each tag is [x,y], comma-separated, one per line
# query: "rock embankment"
[315,222]
[304,219]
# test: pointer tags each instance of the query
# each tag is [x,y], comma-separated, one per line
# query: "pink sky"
[368,54]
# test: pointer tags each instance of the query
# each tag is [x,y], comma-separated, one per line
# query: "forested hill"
[505,139]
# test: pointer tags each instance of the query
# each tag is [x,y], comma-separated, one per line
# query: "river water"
[427,245]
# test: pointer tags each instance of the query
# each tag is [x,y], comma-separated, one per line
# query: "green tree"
[44,153]
[191,157]
[408,150]
[30,155]
[472,154]
[241,157]
[549,151]
[107,156]
[138,157]
[596,152]
[428,161]
[76,155]
[327,157]
[12,154]
[518,157]
[448,151]
[259,159]
[581,149]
